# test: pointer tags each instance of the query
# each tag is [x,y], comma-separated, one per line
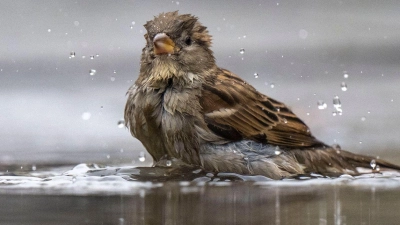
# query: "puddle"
[93,194]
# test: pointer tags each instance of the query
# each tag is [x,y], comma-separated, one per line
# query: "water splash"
[121,124]
[373,164]
[337,105]
[343,86]
[142,157]
[86,115]
[322,105]
[92,72]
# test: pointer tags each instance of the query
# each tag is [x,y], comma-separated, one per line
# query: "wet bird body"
[184,107]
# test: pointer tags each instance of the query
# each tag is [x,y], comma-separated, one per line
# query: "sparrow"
[186,110]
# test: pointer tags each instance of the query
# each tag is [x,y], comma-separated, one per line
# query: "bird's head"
[176,45]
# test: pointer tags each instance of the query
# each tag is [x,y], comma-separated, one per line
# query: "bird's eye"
[188,40]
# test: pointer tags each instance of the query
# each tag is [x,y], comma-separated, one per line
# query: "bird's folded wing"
[234,110]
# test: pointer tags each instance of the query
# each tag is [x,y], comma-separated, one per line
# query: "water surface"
[91,194]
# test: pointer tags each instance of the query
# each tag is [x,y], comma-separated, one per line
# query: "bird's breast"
[175,110]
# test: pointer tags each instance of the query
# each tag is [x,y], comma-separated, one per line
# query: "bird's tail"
[368,162]
[336,161]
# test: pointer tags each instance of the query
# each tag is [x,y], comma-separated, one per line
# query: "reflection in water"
[128,195]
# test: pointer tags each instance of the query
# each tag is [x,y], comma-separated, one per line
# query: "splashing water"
[121,123]
[92,72]
[142,157]
[343,86]
[322,105]
[337,105]
[373,164]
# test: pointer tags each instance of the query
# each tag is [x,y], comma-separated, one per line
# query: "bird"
[187,111]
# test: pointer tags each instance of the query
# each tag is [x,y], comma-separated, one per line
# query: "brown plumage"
[184,107]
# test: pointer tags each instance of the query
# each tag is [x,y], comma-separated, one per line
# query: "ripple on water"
[92,179]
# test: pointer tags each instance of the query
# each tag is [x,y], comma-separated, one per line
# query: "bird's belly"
[249,157]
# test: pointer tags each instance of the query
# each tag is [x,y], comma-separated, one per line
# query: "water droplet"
[112,78]
[76,23]
[115,71]
[303,34]
[72,55]
[177,3]
[142,157]
[121,150]
[121,123]
[336,102]
[307,113]
[339,112]
[86,115]
[345,75]
[92,57]
[83,57]
[33,167]
[255,75]
[277,152]
[272,85]
[373,164]
[363,118]
[168,163]
[377,168]
[337,105]
[321,104]
[73,179]
[241,51]
[360,142]
[133,23]
[284,120]
[92,72]
[343,86]
[49,30]
[108,156]
[97,55]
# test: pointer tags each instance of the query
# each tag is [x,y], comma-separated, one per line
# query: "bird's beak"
[163,44]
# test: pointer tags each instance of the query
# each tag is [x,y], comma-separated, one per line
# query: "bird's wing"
[235,110]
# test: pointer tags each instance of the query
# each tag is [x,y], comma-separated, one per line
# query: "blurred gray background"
[53,111]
